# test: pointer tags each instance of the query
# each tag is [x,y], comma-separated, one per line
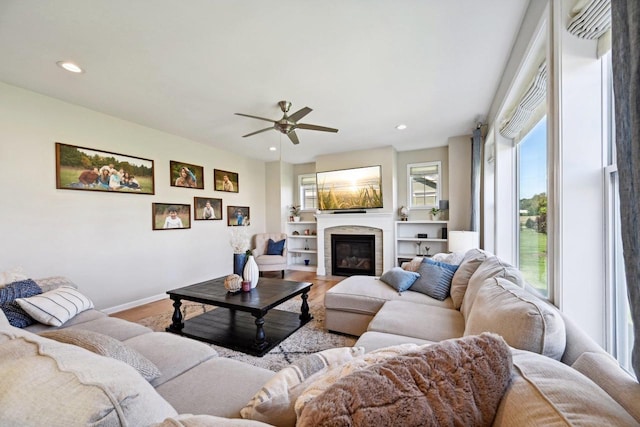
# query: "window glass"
[308,196]
[424,185]
[532,196]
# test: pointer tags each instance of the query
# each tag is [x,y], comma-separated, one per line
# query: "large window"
[308,195]
[424,185]
[532,206]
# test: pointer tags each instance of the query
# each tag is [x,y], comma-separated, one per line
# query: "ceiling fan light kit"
[288,124]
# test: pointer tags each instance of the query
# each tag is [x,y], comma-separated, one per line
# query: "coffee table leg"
[304,316]
[176,320]
[261,338]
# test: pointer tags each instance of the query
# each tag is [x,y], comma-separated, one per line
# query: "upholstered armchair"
[268,262]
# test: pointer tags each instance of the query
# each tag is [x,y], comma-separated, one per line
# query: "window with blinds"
[308,194]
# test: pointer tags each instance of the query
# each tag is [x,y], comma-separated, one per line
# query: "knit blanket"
[456,382]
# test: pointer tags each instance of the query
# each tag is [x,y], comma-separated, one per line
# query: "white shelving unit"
[407,239]
[301,246]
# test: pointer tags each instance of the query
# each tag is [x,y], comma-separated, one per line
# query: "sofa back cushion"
[524,321]
[544,392]
[49,383]
[490,267]
[470,263]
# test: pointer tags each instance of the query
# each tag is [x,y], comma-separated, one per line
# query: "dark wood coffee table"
[244,321]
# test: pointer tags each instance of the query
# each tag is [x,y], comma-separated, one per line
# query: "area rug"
[311,338]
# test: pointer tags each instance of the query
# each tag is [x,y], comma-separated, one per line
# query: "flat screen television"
[349,189]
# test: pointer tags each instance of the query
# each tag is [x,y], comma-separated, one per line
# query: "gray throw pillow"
[399,279]
[435,279]
[105,345]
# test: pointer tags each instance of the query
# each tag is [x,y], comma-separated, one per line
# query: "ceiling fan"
[288,124]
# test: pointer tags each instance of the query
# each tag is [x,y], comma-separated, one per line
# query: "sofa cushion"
[85,316]
[490,267]
[399,279]
[52,282]
[45,382]
[416,320]
[190,420]
[273,403]
[373,340]
[178,355]
[604,370]
[435,279]
[525,322]
[275,248]
[119,329]
[201,391]
[56,306]
[545,392]
[9,293]
[104,345]
[471,261]
[456,382]
[367,294]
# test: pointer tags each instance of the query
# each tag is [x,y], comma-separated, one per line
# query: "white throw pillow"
[55,307]
[14,275]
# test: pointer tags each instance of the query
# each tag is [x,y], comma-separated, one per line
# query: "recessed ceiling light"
[401,126]
[272,148]
[70,66]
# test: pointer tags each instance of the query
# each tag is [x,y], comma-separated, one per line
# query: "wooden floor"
[321,284]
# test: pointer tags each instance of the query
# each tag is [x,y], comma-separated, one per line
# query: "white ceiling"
[185,67]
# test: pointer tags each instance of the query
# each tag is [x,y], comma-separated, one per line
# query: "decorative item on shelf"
[404,213]
[295,233]
[306,262]
[426,251]
[314,232]
[306,245]
[251,272]
[418,244]
[233,283]
[306,231]
[239,241]
[444,233]
[295,212]
[423,235]
[435,213]
[444,209]
[246,286]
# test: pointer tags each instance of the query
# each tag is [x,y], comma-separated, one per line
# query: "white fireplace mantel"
[383,221]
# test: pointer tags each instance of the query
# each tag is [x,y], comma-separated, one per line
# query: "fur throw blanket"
[456,382]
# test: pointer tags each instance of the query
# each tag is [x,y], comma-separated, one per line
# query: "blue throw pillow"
[399,279]
[275,248]
[435,279]
[15,314]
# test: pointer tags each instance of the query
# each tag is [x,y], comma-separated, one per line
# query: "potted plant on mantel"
[295,212]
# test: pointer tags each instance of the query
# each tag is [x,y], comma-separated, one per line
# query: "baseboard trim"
[134,304]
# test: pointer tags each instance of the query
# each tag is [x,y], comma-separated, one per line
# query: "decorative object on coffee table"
[251,272]
[233,283]
[239,241]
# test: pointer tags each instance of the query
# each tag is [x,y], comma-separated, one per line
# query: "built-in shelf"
[409,245]
[296,244]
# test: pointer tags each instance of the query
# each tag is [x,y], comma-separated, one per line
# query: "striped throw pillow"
[55,307]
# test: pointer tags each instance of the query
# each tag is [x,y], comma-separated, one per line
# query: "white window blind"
[529,103]
[592,19]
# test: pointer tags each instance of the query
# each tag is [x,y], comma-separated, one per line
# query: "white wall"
[104,241]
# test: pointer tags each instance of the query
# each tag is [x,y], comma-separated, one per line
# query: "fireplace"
[353,254]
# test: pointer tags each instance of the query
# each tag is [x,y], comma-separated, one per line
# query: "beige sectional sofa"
[59,376]
[561,376]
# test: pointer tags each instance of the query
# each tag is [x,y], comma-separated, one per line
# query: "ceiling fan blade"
[293,137]
[315,127]
[258,131]
[255,117]
[300,114]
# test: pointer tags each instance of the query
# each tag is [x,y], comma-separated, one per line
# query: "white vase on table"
[251,272]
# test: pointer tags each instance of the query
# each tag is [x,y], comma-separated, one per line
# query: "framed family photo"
[207,208]
[237,215]
[186,175]
[225,181]
[170,216]
[80,168]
